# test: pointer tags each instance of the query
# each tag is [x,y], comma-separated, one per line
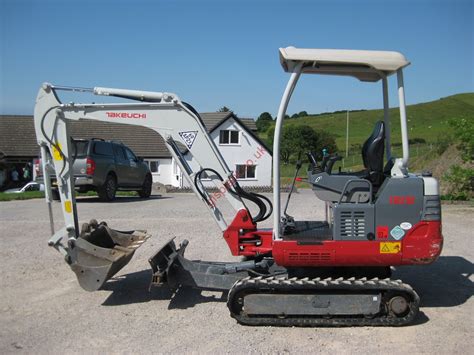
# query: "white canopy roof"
[364,65]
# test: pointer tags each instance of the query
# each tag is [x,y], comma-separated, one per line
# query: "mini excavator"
[333,272]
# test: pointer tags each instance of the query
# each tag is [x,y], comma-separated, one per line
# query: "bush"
[296,139]
[416,140]
[263,121]
[464,129]
[442,143]
[462,182]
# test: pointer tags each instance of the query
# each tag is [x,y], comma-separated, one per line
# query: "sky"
[225,53]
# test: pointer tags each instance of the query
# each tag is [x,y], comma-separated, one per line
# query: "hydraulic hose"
[257,199]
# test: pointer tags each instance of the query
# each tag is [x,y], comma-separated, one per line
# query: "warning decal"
[382,232]
[56,152]
[390,247]
[68,206]
[188,138]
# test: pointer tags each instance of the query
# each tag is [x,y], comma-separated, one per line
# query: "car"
[31,186]
[105,167]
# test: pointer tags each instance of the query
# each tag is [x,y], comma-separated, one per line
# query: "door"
[176,175]
[136,173]
[122,166]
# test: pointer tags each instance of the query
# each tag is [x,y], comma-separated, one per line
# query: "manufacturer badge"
[397,233]
[406,225]
[188,138]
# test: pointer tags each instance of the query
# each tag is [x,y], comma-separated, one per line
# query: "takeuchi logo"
[125,115]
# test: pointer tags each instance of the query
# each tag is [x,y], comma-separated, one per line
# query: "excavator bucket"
[100,252]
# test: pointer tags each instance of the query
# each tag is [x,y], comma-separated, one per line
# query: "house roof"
[364,65]
[17,134]
[246,123]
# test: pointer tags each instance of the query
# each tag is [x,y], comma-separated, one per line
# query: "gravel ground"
[43,310]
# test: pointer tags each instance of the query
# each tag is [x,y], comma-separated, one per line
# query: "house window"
[243,171]
[154,166]
[228,137]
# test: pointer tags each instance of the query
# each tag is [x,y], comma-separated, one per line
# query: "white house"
[246,155]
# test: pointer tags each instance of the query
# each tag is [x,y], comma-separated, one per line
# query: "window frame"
[229,137]
[157,161]
[105,146]
[119,148]
[132,156]
[246,178]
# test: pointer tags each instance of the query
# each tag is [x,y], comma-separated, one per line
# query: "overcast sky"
[216,53]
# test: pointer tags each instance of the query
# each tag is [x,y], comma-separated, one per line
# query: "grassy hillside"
[426,122]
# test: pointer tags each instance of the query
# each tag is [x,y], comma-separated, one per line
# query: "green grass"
[39,194]
[21,196]
[428,121]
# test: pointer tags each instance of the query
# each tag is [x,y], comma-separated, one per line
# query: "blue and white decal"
[397,233]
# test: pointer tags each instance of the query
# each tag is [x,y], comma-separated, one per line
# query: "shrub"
[442,143]
[462,181]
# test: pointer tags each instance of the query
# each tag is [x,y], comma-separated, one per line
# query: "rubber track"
[284,285]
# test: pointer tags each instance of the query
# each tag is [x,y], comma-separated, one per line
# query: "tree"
[264,121]
[464,131]
[296,139]
[224,109]
[326,141]
[303,114]
[461,176]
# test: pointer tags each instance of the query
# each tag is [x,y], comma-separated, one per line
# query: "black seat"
[329,186]
[372,154]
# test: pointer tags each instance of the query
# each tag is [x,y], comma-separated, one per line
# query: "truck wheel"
[107,191]
[145,192]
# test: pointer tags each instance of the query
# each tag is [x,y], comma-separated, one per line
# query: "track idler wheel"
[398,306]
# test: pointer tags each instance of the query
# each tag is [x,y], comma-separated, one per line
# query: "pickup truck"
[105,167]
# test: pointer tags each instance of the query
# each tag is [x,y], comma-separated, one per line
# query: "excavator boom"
[177,123]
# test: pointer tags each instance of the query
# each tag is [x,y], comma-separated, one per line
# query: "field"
[428,128]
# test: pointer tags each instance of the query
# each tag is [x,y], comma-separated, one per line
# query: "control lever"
[312,159]
[332,161]
[315,169]
[289,221]
[324,162]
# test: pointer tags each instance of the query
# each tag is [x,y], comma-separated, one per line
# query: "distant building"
[236,139]
[246,155]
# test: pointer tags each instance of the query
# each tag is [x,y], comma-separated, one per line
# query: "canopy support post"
[276,148]
[403,122]
[386,118]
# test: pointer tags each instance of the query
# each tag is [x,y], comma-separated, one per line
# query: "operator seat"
[329,186]
[372,154]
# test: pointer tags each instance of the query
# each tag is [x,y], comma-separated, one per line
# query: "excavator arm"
[93,259]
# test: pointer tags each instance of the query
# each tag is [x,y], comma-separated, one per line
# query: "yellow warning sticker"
[56,152]
[390,247]
[68,206]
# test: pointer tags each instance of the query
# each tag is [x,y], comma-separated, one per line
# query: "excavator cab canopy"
[367,66]
[364,65]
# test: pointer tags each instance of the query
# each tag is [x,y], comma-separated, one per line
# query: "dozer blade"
[100,252]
